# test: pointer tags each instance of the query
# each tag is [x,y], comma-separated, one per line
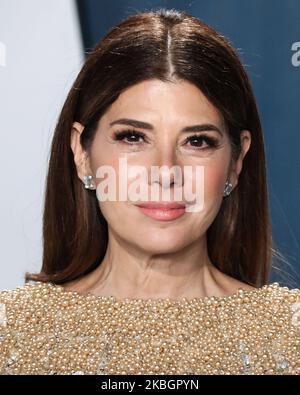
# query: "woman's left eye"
[197,141]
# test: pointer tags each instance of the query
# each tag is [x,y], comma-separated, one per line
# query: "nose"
[165,168]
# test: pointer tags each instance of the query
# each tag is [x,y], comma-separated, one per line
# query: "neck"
[127,272]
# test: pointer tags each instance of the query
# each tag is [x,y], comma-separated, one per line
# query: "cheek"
[214,180]
[209,181]
[113,211]
[214,174]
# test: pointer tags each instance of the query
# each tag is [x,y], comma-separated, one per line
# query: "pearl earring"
[227,189]
[87,180]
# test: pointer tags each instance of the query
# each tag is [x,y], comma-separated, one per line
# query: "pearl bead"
[46,329]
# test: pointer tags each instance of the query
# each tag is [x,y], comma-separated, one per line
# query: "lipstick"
[162,211]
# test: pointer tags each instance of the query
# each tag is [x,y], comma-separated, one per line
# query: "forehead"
[158,102]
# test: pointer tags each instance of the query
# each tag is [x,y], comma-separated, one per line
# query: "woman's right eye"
[132,136]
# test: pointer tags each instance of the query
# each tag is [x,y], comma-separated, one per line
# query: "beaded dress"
[46,329]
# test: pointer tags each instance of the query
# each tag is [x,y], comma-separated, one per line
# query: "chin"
[161,249]
[161,240]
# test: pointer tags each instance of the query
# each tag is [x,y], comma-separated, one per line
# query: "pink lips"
[163,211]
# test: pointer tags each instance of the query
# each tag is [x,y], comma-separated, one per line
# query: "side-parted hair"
[168,45]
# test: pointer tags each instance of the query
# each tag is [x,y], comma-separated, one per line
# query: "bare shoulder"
[231,285]
[241,285]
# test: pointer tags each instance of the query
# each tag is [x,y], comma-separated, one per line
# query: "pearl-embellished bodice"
[46,329]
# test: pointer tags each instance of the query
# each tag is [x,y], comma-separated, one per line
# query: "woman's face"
[168,108]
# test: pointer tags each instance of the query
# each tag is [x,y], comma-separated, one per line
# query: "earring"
[87,180]
[227,189]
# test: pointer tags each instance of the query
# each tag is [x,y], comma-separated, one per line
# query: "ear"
[80,155]
[245,138]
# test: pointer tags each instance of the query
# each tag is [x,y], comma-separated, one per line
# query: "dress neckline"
[240,293]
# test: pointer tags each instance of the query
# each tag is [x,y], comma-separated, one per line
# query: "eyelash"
[119,136]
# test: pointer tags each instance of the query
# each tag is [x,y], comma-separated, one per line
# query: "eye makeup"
[132,137]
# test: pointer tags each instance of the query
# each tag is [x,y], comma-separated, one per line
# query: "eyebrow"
[145,125]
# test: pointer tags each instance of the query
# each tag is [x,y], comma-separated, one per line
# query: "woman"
[140,286]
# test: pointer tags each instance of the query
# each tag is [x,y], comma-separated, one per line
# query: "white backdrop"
[41,54]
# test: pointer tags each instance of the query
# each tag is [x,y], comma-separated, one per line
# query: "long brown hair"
[166,45]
